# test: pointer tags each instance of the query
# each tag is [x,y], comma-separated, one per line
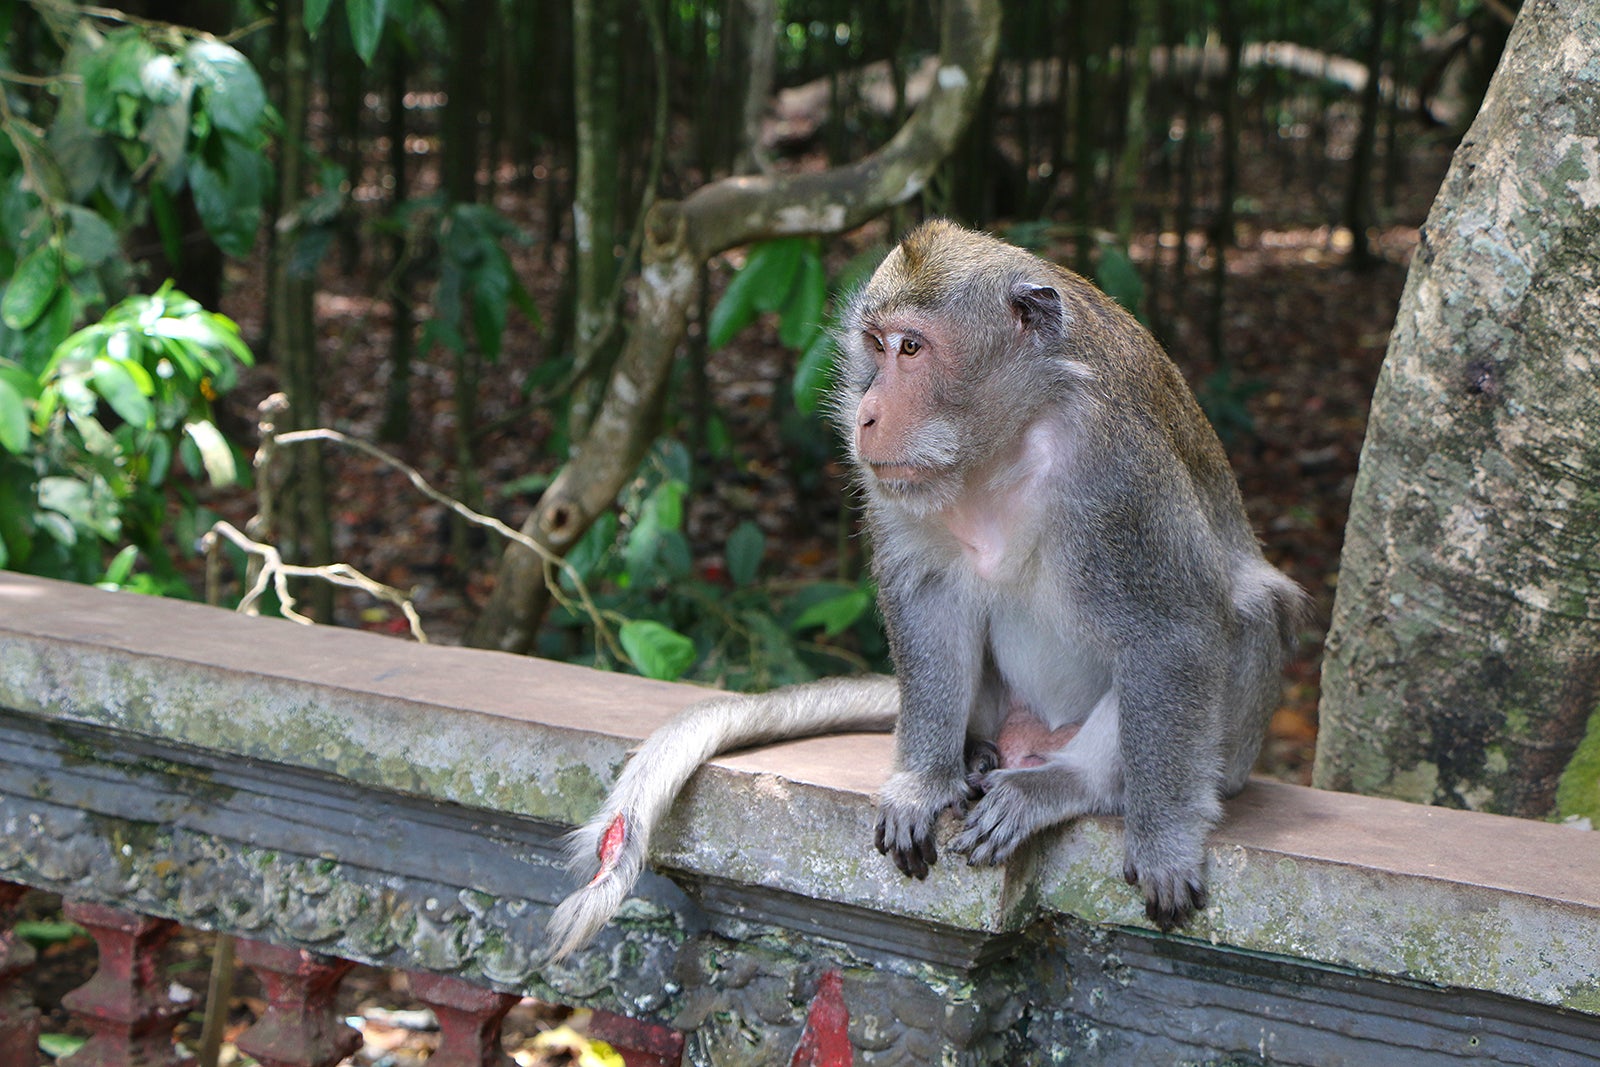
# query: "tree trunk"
[396,425]
[597,102]
[463,151]
[1463,666]
[679,237]
[1223,225]
[1358,194]
[305,526]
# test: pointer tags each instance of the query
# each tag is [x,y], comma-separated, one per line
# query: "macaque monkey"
[1080,618]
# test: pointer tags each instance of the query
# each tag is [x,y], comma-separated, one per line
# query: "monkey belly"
[1026,740]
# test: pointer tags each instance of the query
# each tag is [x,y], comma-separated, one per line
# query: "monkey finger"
[913,862]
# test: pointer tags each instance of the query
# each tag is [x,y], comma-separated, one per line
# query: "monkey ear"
[1038,308]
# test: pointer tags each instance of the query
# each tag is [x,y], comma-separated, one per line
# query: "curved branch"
[679,238]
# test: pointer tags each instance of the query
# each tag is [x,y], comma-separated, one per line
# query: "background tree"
[1463,665]
[679,238]
[436,146]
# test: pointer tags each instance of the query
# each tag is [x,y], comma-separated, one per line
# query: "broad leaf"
[763,285]
[315,12]
[800,318]
[814,373]
[656,650]
[214,451]
[837,613]
[1116,274]
[91,237]
[236,99]
[746,545]
[32,287]
[121,567]
[14,428]
[113,381]
[366,26]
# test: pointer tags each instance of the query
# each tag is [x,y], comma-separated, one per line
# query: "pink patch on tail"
[610,844]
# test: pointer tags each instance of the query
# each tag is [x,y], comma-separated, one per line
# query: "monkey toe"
[909,846]
[982,757]
[1171,898]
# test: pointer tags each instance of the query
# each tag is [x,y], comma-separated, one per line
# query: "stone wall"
[403,805]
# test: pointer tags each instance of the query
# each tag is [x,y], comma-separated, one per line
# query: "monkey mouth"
[899,475]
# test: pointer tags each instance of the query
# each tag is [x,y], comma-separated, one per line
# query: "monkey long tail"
[613,846]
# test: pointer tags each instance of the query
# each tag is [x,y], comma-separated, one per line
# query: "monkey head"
[947,353]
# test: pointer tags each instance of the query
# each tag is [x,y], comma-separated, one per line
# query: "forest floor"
[1304,337]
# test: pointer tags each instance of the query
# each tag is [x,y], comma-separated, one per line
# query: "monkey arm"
[613,846]
[1170,687]
[937,640]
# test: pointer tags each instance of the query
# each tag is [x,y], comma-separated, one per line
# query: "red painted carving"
[19,1019]
[640,1044]
[128,1012]
[300,1027]
[826,1039]
[469,1021]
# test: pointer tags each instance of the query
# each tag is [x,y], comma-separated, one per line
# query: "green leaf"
[160,80]
[763,285]
[586,555]
[228,201]
[61,1045]
[746,545]
[78,502]
[776,265]
[814,373]
[800,318]
[675,459]
[125,62]
[366,26]
[32,287]
[235,99]
[316,11]
[113,381]
[159,453]
[665,505]
[91,237]
[14,424]
[1116,274]
[45,933]
[168,225]
[835,614]
[121,566]
[214,451]
[657,651]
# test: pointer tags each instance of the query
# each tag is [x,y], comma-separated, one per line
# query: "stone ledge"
[1423,894]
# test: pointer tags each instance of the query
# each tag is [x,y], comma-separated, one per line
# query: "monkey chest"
[1042,656]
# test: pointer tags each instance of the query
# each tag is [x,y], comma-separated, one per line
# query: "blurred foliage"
[132,148]
[88,435]
[723,619]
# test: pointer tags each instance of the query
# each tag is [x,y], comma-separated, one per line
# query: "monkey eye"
[909,347]
[877,342]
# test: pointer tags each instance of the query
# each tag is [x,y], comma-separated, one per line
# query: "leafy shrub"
[723,622]
[89,435]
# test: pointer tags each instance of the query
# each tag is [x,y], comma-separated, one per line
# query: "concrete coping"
[1429,895]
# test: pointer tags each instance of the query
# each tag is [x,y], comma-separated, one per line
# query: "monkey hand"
[1172,894]
[908,812]
[997,823]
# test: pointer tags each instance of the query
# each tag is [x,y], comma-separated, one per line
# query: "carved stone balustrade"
[332,795]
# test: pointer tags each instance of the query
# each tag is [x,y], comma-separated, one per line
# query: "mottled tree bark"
[1463,667]
[679,237]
